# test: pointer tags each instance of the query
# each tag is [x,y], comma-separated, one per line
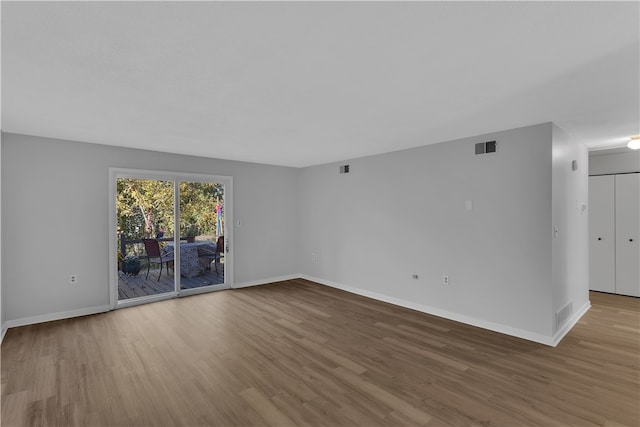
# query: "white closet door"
[628,234]
[602,260]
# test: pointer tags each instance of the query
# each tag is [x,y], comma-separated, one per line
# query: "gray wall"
[55,216]
[2,312]
[404,213]
[368,231]
[570,252]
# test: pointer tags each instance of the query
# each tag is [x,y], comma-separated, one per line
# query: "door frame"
[176,177]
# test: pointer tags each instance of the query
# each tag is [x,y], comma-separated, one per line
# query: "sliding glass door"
[169,235]
[145,218]
[201,219]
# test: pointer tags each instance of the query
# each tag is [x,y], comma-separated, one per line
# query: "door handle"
[599,238]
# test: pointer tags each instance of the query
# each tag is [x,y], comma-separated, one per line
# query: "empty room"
[320,213]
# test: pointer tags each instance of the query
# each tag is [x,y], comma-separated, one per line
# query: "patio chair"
[219,253]
[154,255]
[214,255]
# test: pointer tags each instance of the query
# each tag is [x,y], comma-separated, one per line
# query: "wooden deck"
[138,286]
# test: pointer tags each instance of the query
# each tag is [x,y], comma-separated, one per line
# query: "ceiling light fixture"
[634,144]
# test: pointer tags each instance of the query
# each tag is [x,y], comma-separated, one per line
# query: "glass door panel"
[169,235]
[202,234]
[145,229]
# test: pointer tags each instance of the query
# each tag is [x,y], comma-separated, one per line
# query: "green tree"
[142,205]
[197,206]
[145,206]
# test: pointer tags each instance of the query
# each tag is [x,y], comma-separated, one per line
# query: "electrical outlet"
[313,258]
[445,280]
[73,279]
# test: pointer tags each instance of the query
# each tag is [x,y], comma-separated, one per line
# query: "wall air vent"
[344,169]
[563,315]
[486,147]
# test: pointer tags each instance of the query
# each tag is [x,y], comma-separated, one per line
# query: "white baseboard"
[103,308]
[56,316]
[508,330]
[480,323]
[266,281]
[571,323]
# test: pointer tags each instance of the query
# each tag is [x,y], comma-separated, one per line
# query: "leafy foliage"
[198,207]
[145,207]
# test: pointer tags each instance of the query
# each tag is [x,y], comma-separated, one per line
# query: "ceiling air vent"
[486,147]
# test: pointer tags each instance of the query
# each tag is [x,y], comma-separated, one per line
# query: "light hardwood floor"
[298,353]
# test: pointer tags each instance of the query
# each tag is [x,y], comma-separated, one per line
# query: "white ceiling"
[303,83]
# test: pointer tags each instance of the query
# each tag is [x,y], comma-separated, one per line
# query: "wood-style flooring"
[297,353]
